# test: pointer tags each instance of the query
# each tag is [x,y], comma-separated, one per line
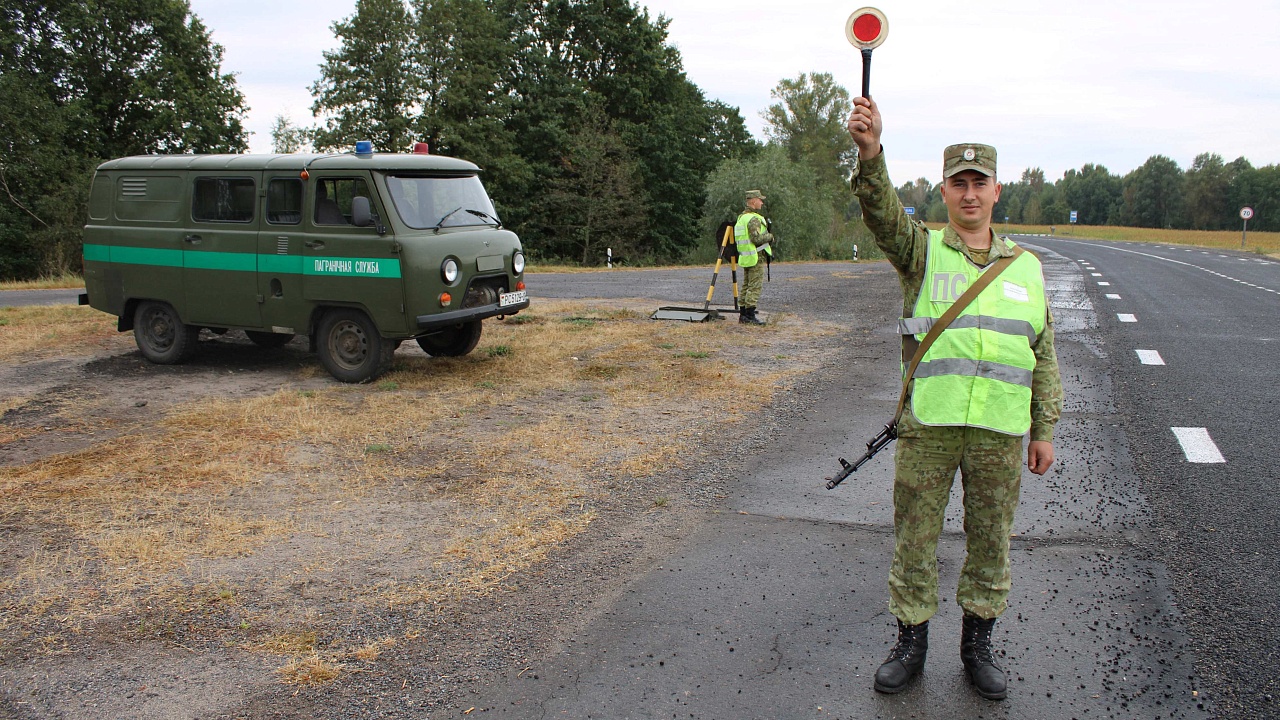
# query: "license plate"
[511,298]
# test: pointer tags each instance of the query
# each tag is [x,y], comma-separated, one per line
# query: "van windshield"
[432,202]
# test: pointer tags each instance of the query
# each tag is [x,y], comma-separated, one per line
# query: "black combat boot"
[905,660]
[975,652]
[747,316]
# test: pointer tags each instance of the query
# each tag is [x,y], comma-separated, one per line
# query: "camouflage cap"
[968,156]
[754,194]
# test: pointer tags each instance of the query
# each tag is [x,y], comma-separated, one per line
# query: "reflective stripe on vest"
[747,256]
[978,372]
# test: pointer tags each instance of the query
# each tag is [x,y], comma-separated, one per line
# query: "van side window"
[219,199]
[333,199]
[284,201]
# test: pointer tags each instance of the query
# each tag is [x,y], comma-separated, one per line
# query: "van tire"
[351,348]
[453,341]
[161,335]
[268,339]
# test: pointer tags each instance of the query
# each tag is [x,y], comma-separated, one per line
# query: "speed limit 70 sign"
[1246,213]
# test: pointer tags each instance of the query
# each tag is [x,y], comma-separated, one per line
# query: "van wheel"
[350,347]
[268,339]
[453,341]
[161,335]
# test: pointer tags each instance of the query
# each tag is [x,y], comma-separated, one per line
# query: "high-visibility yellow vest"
[747,255]
[978,371]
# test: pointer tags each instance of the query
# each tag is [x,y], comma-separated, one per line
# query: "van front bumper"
[439,320]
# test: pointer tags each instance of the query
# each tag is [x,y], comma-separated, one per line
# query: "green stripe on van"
[280,264]
[246,262]
[135,255]
[217,260]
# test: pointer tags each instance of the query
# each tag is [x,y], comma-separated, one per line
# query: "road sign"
[1246,213]
[909,210]
[1073,216]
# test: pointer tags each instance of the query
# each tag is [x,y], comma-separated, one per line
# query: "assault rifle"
[878,443]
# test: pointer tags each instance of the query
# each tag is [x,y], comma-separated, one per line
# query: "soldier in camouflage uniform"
[929,453]
[751,235]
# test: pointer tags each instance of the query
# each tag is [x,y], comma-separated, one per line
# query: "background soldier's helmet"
[754,194]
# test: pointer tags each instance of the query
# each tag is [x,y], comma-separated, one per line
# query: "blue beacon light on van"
[364,147]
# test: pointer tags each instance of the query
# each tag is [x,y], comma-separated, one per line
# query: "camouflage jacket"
[905,242]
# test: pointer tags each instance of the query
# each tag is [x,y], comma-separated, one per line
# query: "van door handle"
[193,239]
[314,244]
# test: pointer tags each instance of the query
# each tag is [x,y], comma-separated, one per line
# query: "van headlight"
[517,262]
[449,271]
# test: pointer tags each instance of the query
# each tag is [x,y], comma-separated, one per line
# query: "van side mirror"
[362,214]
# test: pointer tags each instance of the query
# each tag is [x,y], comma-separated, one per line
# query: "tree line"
[1158,194]
[590,134]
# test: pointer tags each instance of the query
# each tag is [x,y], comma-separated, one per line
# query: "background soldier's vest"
[747,255]
[978,371]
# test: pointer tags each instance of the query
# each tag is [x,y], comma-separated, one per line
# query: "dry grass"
[309,671]
[439,481]
[48,330]
[51,282]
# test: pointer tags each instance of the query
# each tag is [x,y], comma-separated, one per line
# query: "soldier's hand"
[865,127]
[1039,456]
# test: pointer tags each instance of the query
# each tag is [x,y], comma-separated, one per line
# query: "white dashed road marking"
[1112,296]
[1197,445]
[1104,284]
[1150,357]
[1126,317]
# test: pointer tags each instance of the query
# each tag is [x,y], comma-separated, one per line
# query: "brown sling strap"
[985,279]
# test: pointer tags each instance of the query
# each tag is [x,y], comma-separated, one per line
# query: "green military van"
[359,251]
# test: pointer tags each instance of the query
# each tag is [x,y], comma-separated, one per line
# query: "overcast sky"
[1052,84]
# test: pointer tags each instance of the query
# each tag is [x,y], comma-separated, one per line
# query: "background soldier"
[751,233]
[982,385]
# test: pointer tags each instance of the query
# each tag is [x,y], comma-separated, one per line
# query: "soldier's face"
[755,203]
[970,197]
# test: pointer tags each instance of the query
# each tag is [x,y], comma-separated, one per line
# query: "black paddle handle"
[866,72]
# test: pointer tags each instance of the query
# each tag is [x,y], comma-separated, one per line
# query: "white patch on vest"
[1014,291]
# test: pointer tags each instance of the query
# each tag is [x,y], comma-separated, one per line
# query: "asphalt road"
[18,298]
[777,606]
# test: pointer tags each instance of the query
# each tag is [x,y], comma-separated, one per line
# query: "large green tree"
[1093,192]
[1207,185]
[809,120]
[85,81]
[1258,188]
[369,86]
[592,200]
[1153,194]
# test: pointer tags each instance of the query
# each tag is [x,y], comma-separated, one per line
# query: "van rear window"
[218,199]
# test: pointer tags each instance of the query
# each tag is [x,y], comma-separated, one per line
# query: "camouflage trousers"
[752,285]
[925,465]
